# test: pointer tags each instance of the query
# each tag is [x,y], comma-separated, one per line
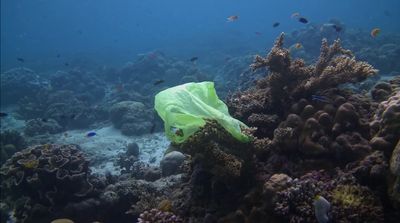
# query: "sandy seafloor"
[104,148]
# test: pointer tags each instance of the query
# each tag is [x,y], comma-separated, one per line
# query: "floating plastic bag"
[184,109]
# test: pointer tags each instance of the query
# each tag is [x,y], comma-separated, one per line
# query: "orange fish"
[295,15]
[375,32]
[298,45]
[232,18]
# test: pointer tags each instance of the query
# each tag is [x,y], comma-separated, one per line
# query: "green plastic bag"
[184,109]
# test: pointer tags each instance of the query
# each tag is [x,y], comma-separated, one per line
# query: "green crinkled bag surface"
[185,108]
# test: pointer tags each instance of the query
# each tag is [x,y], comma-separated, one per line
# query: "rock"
[152,174]
[132,149]
[18,83]
[131,117]
[276,183]
[171,162]
[39,127]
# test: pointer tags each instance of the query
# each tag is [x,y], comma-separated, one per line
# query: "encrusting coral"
[43,178]
[218,151]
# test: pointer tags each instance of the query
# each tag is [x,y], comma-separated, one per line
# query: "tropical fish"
[298,46]
[157,82]
[177,131]
[276,24]
[303,20]
[193,59]
[232,18]
[62,220]
[375,32]
[20,59]
[295,15]
[91,134]
[321,98]
[3,114]
[321,208]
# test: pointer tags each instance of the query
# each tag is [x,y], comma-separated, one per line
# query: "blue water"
[113,32]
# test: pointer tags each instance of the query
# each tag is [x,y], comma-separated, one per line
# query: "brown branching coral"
[292,79]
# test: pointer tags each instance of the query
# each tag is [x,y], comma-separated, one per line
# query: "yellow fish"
[298,46]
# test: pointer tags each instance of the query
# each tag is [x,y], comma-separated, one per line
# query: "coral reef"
[10,142]
[171,163]
[382,53]
[155,215]
[350,202]
[41,180]
[394,188]
[218,151]
[39,127]
[17,83]
[131,117]
[386,124]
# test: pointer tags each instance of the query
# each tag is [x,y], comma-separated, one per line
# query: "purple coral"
[158,216]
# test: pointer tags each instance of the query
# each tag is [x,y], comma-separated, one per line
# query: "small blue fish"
[321,98]
[91,134]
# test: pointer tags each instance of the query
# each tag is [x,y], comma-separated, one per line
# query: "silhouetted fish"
[2,114]
[276,24]
[258,33]
[158,82]
[303,20]
[193,59]
[20,59]
[66,64]
[44,120]
[91,134]
[337,28]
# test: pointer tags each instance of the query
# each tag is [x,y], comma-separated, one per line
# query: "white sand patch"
[103,148]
